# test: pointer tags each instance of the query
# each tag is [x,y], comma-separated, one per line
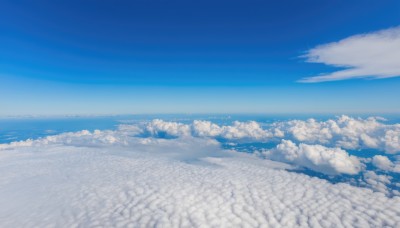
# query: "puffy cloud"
[392,140]
[330,161]
[242,130]
[206,129]
[250,130]
[157,127]
[345,132]
[115,180]
[371,55]
[312,130]
[382,162]
[377,182]
[80,138]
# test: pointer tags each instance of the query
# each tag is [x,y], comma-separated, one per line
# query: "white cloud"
[108,178]
[382,162]
[345,132]
[250,130]
[245,130]
[392,139]
[158,126]
[206,129]
[377,182]
[371,55]
[322,159]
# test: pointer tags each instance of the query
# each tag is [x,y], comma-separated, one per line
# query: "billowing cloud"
[158,126]
[382,162]
[250,130]
[330,161]
[112,179]
[245,130]
[344,132]
[371,55]
[392,139]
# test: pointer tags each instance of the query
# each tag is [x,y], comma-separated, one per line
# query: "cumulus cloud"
[158,126]
[243,130]
[80,138]
[345,132]
[250,130]
[322,159]
[377,182]
[382,162]
[317,145]
[392,139]
[372,55]
[109,178]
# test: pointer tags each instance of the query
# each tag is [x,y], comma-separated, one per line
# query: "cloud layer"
[372,55]
[112,179]
[343,132]
[317,145]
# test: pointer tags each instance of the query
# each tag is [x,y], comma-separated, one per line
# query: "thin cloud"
[373,55]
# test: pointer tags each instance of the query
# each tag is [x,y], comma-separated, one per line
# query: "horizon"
[303,114]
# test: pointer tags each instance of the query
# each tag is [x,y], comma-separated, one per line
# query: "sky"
[122,57]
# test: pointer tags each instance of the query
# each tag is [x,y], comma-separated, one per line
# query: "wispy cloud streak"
[373,55]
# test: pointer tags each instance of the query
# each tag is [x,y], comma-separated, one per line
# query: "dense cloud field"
[173,174]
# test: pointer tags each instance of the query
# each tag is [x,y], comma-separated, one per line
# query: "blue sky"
[110,57]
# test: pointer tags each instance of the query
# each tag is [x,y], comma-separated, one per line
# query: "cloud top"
[373,55]
[344,132]
[112,179]
[329,147]
[330,161]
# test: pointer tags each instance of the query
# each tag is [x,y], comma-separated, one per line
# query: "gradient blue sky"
[120,57]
